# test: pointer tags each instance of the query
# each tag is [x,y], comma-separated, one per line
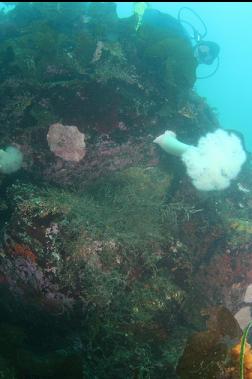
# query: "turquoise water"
[229,90]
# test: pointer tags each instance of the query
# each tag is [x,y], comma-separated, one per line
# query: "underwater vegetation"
[110,258]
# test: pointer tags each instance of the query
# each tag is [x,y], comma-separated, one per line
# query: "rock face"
[120,88]
[105,246]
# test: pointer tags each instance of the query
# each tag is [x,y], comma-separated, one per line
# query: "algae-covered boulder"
[107,251]
[53,238]
[91,262]
[206,354]
[82,65]
[164,42]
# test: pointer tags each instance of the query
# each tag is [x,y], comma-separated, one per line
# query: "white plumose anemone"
[213,163]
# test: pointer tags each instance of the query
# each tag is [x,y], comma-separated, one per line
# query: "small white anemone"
[10,160]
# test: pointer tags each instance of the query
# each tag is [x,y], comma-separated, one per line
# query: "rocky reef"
[108,254]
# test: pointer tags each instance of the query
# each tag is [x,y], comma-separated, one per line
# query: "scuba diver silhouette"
[206,52]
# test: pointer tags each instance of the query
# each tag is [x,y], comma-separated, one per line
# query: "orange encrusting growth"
[24,251]
[235,354]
